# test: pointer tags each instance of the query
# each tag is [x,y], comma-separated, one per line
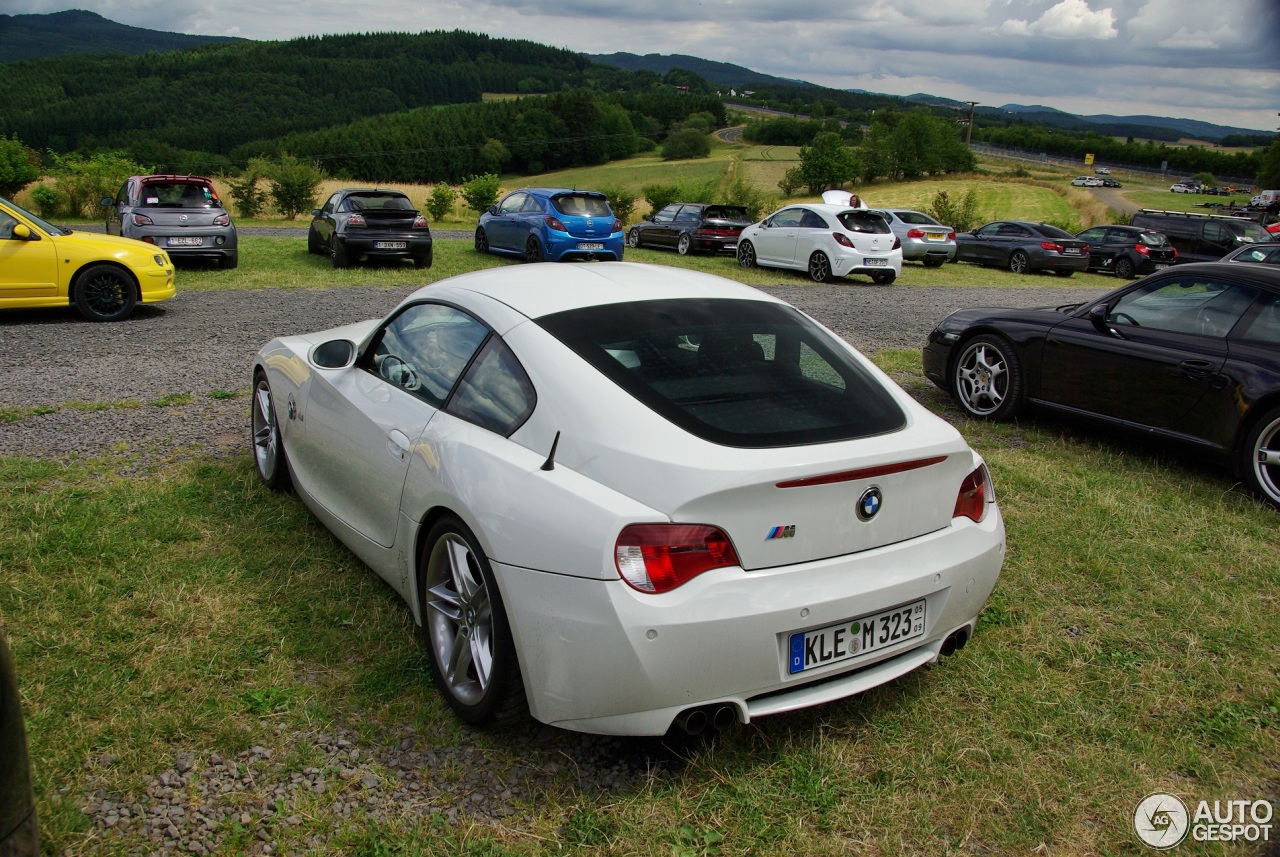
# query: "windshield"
[737,373]
[42,224]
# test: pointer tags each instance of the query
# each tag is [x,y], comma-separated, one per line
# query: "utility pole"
[968,137]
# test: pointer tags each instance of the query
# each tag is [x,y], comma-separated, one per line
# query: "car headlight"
[159,260]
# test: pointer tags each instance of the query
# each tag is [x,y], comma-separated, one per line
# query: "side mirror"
[493,209]
[334,354]
[649,217]
[107,201]
[315,212]
[22,232]
[1098,314]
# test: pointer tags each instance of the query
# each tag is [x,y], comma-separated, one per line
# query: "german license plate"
[1071,251]
[854,638]
[389,245]
[875,263]
[194,241]
[590,246]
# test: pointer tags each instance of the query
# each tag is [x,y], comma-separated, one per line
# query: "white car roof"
[548,287]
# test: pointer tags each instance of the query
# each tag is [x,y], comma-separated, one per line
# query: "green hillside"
[25,37]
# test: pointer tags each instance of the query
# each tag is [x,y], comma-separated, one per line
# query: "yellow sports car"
[42,265]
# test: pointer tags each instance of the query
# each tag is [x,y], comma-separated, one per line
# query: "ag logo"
[869,503]
[1161,820]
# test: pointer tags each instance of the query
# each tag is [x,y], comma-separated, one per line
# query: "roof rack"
[1254,216]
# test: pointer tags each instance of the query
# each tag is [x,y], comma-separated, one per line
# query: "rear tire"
[932,263]
[819,267]
[337,253]
[105,293]
[1261,457]
[228,263]
[464,624]
[1124,269]
[883,278]
[986,378]
[685,245]
[532,250]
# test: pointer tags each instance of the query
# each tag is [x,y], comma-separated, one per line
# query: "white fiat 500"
[624,497]
[826,241]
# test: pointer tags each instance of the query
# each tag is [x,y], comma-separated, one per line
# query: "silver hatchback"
[180,213]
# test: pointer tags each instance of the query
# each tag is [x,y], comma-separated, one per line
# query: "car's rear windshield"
[737,373]
[1053,232]
[178,194]
[863,221]
[1153,239]
[725,212]
[390,201]
[916,217]
[581,205]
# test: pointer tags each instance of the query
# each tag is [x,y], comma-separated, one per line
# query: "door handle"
[1199,370]
[398,444]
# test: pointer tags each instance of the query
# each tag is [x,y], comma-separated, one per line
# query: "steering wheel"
[1125,318]
[398,372]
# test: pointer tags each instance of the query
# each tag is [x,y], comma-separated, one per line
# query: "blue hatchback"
[551,224]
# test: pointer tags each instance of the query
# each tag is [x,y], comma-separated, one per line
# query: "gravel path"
[170,370]
[167,374]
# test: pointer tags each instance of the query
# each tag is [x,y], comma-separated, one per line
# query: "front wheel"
[105,293]
[819,267]
[685,245]
[532,250]
[1018,262]
[986,379]
[473,659]
[482,240]
[633,238]
[1261,454]
[746,255]
[884,278]
[268,445]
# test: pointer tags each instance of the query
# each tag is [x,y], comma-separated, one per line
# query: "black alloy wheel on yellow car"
[105,293]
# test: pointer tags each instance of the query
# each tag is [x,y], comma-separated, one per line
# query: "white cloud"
[1073,19]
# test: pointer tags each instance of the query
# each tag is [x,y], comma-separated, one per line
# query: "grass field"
[1130,647]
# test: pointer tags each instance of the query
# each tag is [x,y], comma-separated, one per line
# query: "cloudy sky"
[1216,60]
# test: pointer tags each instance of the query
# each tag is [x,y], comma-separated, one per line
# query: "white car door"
[776,242]
[363,421]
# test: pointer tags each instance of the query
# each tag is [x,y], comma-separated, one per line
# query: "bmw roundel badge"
[869,503]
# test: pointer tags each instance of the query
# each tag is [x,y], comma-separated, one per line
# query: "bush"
[685,144]
[480,192]
[757,202]
[293,185]
[86,181]
[49,202]
[440,204]
[622,201]
[249,197]
[960,216]
[17,166]
[660,195]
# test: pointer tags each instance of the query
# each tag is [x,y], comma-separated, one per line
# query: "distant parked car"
[1127,251]
[551,224]
[1102,171]
[362,224]
[1202,237]
[1188,355]
[19,835]
[1111,183]
[1267,253]
[1023,247]
[1183,188]
[103,276]
[179,213]
[1086,181]
[826,241]
[689,227]
[924,239]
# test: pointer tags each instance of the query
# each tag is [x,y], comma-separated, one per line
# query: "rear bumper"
[366,245]
[597,656]
[913,250]
[1057,262]
[559,246]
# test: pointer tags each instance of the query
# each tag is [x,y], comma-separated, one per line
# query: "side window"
[789,217]
[332,204]
[122,195]
[512,203]
[1199,306]
[812,221]
[495,393]
[666,215]
[990,230]
[1216,233]
[425,349]
[1119,236]
[1095,236]
[532,205]
[689,214]
[6,225]
[1265,326]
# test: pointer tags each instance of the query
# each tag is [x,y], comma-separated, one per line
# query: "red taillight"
[951,236]
[420,222]
[554,223]
[222,220]
[142,220]
[1142,248]
[915,233]
[975,493]
[1175,252]
[843,240]
[1051,246]
[617,225]
[355,220]
[897,242]
[659,557]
